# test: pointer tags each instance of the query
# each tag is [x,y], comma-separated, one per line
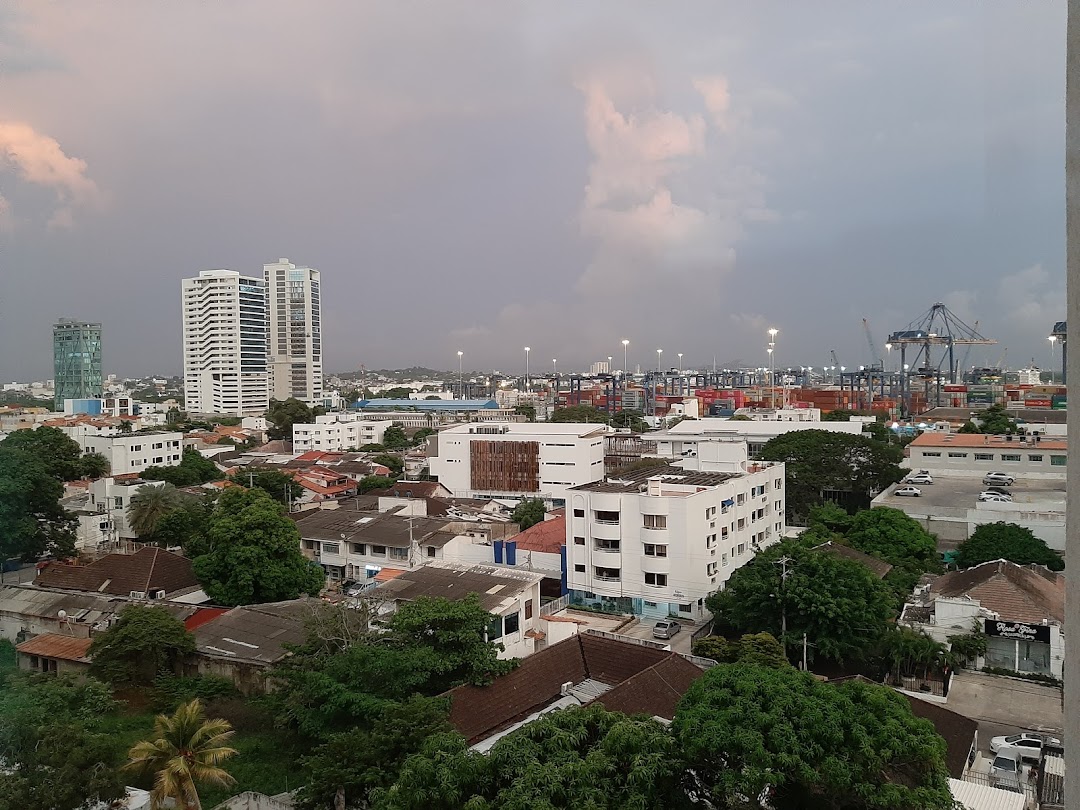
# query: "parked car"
[999,491]
[666,628]
[919,478]
[998,478]
[1027,745]
[994,496]
[913,492]
[1005,771]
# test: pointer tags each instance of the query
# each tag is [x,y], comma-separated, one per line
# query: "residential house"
[149,573]
[1020,608]
[55,654]
[540,548]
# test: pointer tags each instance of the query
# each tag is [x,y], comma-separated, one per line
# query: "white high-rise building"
[225,340]
[295,312]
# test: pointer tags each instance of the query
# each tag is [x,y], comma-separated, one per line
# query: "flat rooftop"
[977,440]
[633,481]
[963,492]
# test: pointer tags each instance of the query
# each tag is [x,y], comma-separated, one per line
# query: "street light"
[772,375]
[527,350]
[888,349]
[680,362]
[658,353]
[625,343]
[555,368]
[461,378]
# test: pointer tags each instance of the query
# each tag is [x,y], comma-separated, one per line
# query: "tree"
[995,420]
[56,751]
[528,513]
[778,734]
[283,414]
[370,482]
[185,750]
[899,540]
[630,418]
[838,415]
[53,448]
[93,465]
[351,764]
[579,413]
[194,468]
[149,505]
[395,463]
[420,437]
[908,652]
[32,521]
[576,758]
[395,438]
[187,524]
[1006,541]
[275,483]
[836,602]
[878,432]
[144,643]
[759,649]
[819,460]
[528,411]
[372,448]
[254,553]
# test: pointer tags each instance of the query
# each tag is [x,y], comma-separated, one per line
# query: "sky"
[481,176]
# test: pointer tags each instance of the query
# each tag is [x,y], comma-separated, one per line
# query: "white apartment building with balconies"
[225,343]
[338,431]
[658,542]
[134,452]
[294,309]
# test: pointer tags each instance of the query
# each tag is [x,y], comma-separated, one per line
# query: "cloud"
[1032,300]
[714,90]
[39,160]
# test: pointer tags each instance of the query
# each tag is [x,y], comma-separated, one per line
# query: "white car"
[1005,771]
[912,492]
[919,478]
[999,479]
[995,497]
[1027,745]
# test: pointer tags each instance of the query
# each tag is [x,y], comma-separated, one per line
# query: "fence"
[555,605]
[1020,785]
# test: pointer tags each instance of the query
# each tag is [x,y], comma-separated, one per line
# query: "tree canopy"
[194,469]
[759,649]
[283,414]
[579,413]
[819,460]
[254,552]
[370,482]
[275,483]
[1006,541]
[528,513]
[899,540]
[528,411]
[395,438]
[777,733]
[149,505]
[144,643]
[836,602]
[55,450]
[395,463]
[994,420]
[630,418]
[32,521]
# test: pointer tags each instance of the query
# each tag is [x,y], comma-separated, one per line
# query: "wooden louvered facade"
[504,466]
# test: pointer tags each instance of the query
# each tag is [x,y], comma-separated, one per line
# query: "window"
[359,548]
[1010,456]
[1037,458]
[378,551]
[579,541]
[528,609]
[1058,461]
[511,623]
[929,454]
[779,482]
[649,604]
[579,513]
[685,608]
[657,580]
[606,517]
[741,549]
[331,548]
[724,560]
[740,499]
[958,455]
[655,521]
[710,569]
[742,523]
[652,550]
[118,503]
[579,569]
[607,545]
[610,574]
[984,456]
[309,544]
[431,551]
[399,553]
[710,541]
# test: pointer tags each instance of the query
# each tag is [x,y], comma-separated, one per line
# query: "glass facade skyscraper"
[76,361]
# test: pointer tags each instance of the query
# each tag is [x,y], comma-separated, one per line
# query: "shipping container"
[1059,404]
[952,389]
[1031,402]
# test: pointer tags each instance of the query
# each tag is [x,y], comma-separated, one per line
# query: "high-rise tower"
[76,361]
[225,340]
[295,347]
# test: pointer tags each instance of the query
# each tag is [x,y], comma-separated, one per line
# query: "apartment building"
[103,520]
[681,440]
[225,343]
[657,542]
[134,452]
[518,460]
[76,361]
[1028,455]
[338,431]
[294,308]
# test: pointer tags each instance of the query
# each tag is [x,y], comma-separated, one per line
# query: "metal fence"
[1022,785]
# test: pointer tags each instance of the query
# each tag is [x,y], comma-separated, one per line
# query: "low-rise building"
[1024,455]
[514,460]
[54,654]
[149,573]
[1021,609]
[134,452]
[657,542]
[682,440]
[338,431]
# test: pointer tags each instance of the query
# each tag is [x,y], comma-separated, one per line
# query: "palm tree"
[93,465]
[149,505]
[186,749]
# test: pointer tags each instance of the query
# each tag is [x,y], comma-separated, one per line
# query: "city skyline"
[561,178]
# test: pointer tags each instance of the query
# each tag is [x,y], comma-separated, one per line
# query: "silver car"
[1005,771]
[666,628]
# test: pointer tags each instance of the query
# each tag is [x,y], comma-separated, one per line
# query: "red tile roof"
[202,616]
[547,536]
[1017,593]
[387,574]
[654,691]
[52,645]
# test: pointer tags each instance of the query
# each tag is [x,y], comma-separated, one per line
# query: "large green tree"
[1006,541]
[575,758]
[53,448]
[277,484]
[579,413]
[370,482]
[149,505]
[145,642]
[32,521]
[528,513]
[840,606]
[283,414]
[93,465]
[760,649]
[254,552]
[817,461]
[630,418]
[395,438]
[194,469]
[186,525]
[395,463]
[899,540]
[755,736]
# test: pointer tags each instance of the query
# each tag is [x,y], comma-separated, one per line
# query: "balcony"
[607,578]
[607,546]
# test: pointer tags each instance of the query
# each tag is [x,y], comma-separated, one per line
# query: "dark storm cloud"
[484,176]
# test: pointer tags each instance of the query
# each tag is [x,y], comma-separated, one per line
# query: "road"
[1006,706]
[24,574]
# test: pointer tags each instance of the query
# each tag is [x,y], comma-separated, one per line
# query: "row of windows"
[1034,458]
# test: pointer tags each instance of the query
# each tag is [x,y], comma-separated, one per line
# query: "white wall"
[329,433]
[1036,460]
[135,452]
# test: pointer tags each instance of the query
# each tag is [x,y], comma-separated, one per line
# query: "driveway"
[1001,705]
[643,629]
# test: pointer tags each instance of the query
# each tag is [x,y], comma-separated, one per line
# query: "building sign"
[1024,632]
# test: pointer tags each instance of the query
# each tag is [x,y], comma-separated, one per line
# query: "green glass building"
[76,361]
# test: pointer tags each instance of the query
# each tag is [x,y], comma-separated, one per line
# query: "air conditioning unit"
[158,594]
[137,595]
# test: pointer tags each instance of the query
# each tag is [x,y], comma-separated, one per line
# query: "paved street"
[1006,706]
[643,629]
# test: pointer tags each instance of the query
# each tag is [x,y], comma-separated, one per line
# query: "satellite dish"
[61,614]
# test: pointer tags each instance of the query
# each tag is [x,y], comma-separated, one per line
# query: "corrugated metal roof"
[973,796]
[52,645]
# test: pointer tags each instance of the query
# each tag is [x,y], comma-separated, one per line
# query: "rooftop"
[255,633]
[498,588]
[1019,593]
[384,529]
[146,571]
[939,439]
[635,480]
[547,536]
[52,645]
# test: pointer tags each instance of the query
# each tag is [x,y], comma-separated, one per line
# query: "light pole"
[772,367]
[888,355]
[527,350]
[555,371]
[625,343]
[461,377]
[658,353]
[1053,340]
[680,363]
[609,369]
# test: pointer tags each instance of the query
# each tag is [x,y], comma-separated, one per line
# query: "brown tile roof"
[654,691]
[452,581]
[417,489]
[145,571]
[879,568]
[1017,593]
[52,645]
[546,536]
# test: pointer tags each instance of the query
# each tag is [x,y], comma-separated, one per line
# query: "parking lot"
[956,491]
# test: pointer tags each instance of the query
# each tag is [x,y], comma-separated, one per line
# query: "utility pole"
[804,669]
[783,562]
